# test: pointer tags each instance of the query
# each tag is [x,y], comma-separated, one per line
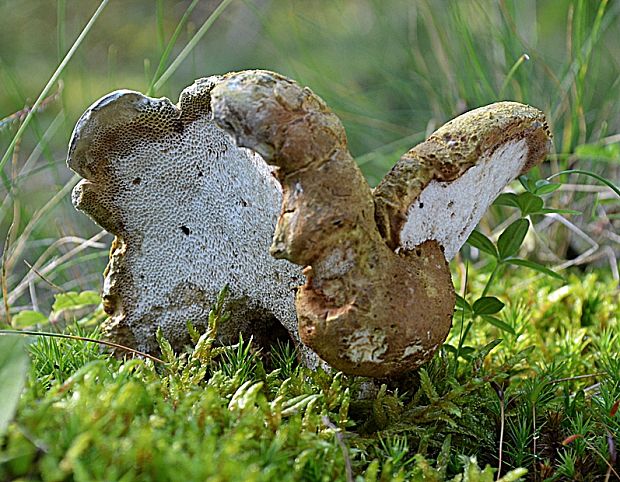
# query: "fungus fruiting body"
[442,187]
[191,213]
[378,297]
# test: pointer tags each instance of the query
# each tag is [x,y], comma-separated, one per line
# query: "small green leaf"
[519,357]
[443,459]
[507,199]
[467,352]
[73,299]
[534,266]
[427,385]
[449,348]
[487,305]
[488,348]
[167,353]
[480,241]
[14,363]
[545,187]
[529,203]
[27,318]
[511,239]
[463,304]
[502,325]
[528,184]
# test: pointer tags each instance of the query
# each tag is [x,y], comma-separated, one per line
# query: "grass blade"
[173,40]
[191,45]
[520,61]
[53,79]
[601,179]
[84,339]
[14,363]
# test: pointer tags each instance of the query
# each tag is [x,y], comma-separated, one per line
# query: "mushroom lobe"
[365,309]
[191,213]
[378,298]
[442,187]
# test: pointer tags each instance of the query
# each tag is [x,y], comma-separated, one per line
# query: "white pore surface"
[195,213]
[449,211]
[204,214]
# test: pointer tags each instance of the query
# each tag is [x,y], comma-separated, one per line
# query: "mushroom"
[442,187]
[378,298]
[191,213]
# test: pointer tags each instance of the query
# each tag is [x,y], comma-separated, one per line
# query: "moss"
[219,413]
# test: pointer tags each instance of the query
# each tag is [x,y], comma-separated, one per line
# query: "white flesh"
[449,211]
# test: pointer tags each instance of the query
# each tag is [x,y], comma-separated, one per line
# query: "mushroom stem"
[364,308]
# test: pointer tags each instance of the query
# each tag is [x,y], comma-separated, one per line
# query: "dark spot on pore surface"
[421,205]
[136,181]
[178,126]
[185,230]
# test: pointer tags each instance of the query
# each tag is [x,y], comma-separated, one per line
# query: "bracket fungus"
[378,298]
[191,213]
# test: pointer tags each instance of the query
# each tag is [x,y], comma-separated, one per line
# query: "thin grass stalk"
[61,9]
[191,45]
[24,171]
[159,17]
[53,79]
[23,285]
[581,48]
[4,275]
[502,416]
[37,216]
[520,61]
[82,338]
[171,43]
[593,175]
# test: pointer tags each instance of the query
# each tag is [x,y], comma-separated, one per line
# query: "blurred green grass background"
[393,70]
